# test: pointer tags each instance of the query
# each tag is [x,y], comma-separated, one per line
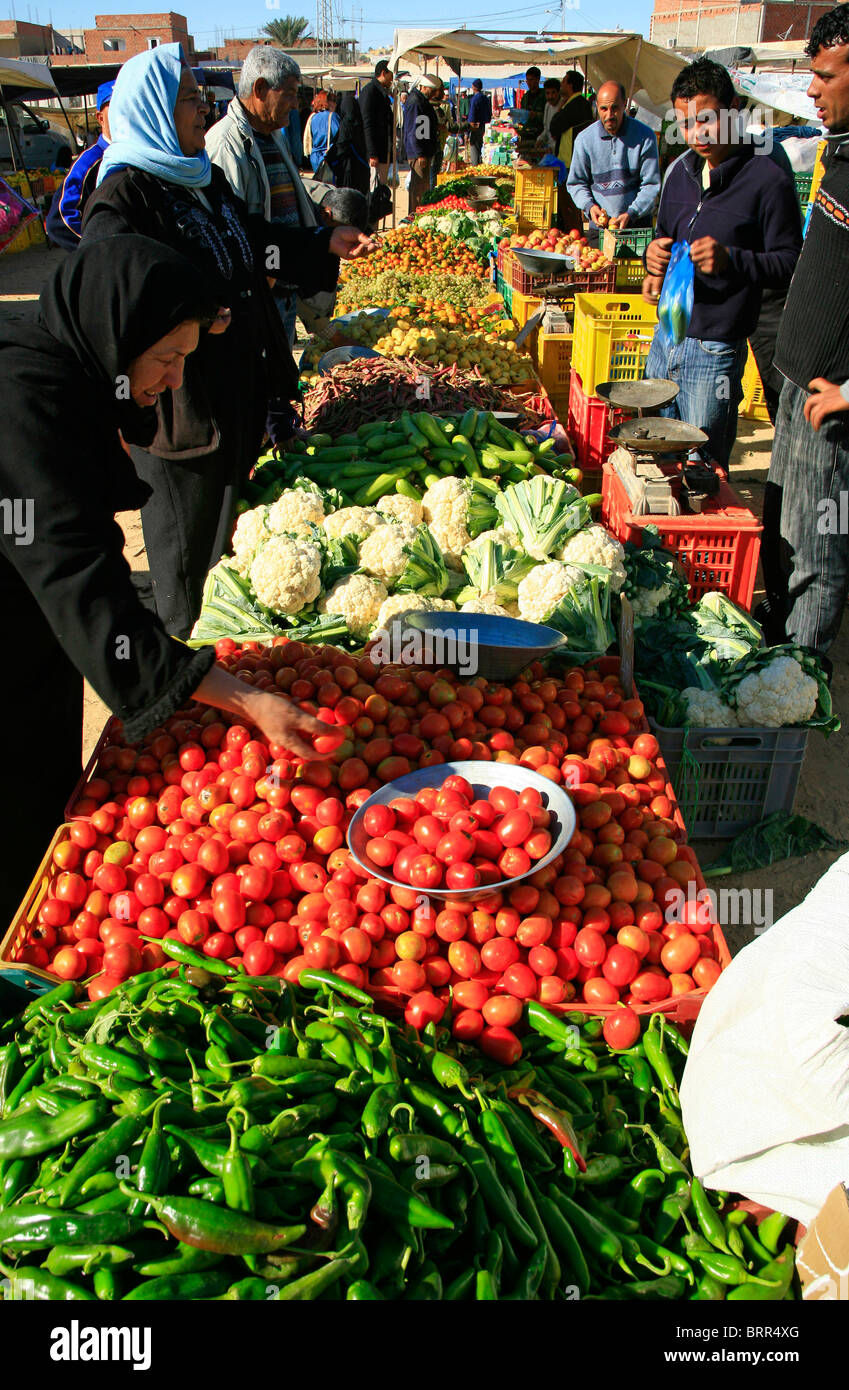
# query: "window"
[114,45]
[153,43]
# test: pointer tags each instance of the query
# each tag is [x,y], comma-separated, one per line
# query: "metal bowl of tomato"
[483,777]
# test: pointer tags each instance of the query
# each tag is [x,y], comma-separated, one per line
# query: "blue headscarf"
[141,120]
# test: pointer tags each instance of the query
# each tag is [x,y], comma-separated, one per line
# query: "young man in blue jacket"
[65,218]
[739,213]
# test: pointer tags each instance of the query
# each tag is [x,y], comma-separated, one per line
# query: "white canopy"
[640,66]
[27,77]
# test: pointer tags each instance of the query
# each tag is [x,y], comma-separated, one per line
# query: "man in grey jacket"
[248,146]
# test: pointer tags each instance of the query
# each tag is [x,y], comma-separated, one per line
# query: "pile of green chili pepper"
[206,1135]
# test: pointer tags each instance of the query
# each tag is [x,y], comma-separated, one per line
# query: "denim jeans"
[287,308]
[709,375]
[806,522]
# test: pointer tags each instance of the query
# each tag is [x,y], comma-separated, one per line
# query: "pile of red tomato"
[449,839]
[207,834]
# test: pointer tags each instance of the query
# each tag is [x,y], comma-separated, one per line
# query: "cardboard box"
[822,1259]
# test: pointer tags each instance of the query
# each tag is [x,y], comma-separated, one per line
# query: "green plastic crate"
[803,187]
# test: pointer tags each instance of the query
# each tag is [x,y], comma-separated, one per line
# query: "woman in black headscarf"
[156,179]
[115,326]
[348,158]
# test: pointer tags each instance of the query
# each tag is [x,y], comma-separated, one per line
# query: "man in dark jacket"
[480,114]
[376,106]
[420,135]
[739,213]
[65,218]
[574,115]
[806,549]
[533,100]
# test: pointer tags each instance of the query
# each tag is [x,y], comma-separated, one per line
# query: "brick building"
[117,37]
[18,39]
[700,24]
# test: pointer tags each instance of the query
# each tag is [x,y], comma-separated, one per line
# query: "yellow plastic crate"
[613,336]
[753,404]
[629,275]
[553,354]
[524,306]
[535,197]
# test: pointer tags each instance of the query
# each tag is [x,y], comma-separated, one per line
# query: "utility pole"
[324,30]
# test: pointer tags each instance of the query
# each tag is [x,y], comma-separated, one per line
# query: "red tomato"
[621,965]
[258,958]
[189,881]
[514,828]
[462,876]
[423,1007]
[599,991]
[503,799]
[650,986]
[706,972]
[501,1045]
[228,910]
[621,1028]
[122,960]
[514,862]
[590,947]
[468,1025]
[520,981]
[464,959]
[72,889]
[68,963]
[425,871]
[502,1011]
[192,927]
[680,955]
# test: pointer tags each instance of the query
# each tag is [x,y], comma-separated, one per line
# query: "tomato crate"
[581,281]
[111,733]
[718,548]
[535,198]
[612,338]
[753,404]
[726,780]
[589,423]
[627,242]
[31,979]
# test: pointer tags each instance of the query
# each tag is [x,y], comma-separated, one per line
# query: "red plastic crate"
[592,281]
[719,548]
[589,422]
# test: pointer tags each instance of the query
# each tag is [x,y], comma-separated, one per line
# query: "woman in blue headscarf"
[156,179]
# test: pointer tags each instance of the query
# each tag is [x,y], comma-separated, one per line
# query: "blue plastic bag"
[675,306]
[548,161]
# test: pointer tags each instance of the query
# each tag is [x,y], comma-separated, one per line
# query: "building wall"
[18,39]
[694,25]
[134,32]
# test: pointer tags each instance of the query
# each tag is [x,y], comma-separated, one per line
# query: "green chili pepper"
[428,1286]
[185,1259]
[670,1287]
[21,1138]
[753,1245]
[64,1259]
[599,1239]
[377,1111]
[460,1288]
[106,1285]
[312,1285]
[447,1071]
[178,950]
[30,1283]
[31,1227]
[565,1243]
[602,1170]
[673,1209]
[770,1230]
[114,1143]
[779,1276]
[500,1203]
[209,1284]
[16,1176]
[361,1291]
[277,1065]
[236,1176]
[43,1006]
[727,1268]
[11,1069]
[30,1076]
[110,1059]
[316,979]
[710,1222]
[709,1290]
[431,1105]
[408,1148]
[485,1291]
[666,1160]
[216,1228]
[676,1264]
[521,1132]
[642,1188]
[653,1046]
[503,1150]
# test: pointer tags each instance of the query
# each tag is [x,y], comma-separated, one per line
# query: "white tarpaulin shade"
[782,91]
[27,77]
[338,79]
[627,58]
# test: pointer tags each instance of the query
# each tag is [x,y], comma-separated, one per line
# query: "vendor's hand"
[825,400]
[652,286]
[222,321]
[283,722]
[709,256]
[657,255]
[595,214]
[621,222]
[348,243]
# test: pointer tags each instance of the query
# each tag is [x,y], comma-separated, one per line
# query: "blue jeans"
[806,522]
[710,377]
[287,308]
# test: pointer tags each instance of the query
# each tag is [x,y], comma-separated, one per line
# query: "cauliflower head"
[358,599]
[486,604]
[646,602]
[779,693]
[285,574]
[382,553]
[351,521]
[251,530]
[707,710]
[397,606]
[446,509]
[295,511]
[595,546]
[501,535]
[394,507]
[542,589]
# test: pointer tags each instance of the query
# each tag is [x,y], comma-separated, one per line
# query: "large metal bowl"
[340,356]
[483,777]
[498,648]
[542,262]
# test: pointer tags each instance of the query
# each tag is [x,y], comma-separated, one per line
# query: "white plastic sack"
[765,1094]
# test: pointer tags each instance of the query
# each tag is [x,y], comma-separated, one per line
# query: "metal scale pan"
[651,393]
[656,435]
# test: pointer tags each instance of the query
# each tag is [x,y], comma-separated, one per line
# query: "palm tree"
[288,30]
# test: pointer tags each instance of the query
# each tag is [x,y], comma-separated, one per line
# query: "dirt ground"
[820,796]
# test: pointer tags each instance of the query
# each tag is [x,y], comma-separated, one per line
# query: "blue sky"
[374,23]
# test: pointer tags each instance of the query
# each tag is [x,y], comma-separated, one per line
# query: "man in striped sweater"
[806,507]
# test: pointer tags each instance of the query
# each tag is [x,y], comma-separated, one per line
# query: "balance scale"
[641,440]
